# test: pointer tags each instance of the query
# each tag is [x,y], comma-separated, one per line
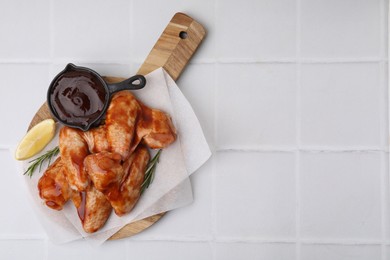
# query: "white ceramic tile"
[385,27]
[340,195]
[114,70]
[82,250]
[255,195]
[386,195]
[149,23]
[341,104]
[387,252]
[23,91]
[192,220]
[198,85]
[17,217]
[164,250]
[256,105]
[252,251]
[256,29]
[340,29]
[340,252]
[385,137]
[20,37]
[94,30]
[22,249]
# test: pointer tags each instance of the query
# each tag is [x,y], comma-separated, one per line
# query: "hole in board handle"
[183,35]
[136,82]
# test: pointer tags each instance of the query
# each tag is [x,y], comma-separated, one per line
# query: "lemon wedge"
[36,139]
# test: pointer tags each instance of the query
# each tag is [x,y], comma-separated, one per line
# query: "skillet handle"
[133,83]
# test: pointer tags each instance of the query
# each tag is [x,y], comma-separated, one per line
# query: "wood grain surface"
[172,51]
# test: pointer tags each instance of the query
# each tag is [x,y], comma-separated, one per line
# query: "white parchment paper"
[171,187]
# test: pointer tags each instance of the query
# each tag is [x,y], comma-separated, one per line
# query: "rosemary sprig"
[40,160]
[149,173]
[150,170]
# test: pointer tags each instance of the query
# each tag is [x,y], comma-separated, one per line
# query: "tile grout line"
[213,184]
[213,213]
[51,31]
[227,239]
[214,171]
[11,236]
[383,134]
[295,60]
[383,33]
[384,192]
[46,249]
[201,61]
[131,32]
[127,249]
[384,156]
[308,149]
[131,36]
[254,240]
[298,133]
[384,75]
[297,206]
[345,242]
[50,63]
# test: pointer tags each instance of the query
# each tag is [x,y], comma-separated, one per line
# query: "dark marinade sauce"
[78,97]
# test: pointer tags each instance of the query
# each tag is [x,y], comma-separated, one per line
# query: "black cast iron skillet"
[133,83]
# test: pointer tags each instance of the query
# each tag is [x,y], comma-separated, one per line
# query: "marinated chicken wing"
[104,169]
[120,122]
[154,128]
[96,139]
[93,210]
[124,199]
[74,149]
[121,184]
[53,186]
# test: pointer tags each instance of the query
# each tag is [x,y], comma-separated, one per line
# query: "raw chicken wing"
[53,186]
[155,128]
[96,139]
[93,210]
[120,122]
[74,149]
[120,183]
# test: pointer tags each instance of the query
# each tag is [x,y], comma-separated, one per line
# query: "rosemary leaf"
[150,170]
[37,162]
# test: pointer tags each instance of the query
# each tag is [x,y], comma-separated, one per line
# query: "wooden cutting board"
[172,51]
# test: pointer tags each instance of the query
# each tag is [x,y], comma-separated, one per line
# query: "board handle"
[175,47]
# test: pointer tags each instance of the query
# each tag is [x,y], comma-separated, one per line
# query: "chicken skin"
[154,128]
[53,186]
[121,120]
[104,169]
[124,199]
[121,184]
[93,209]
[74,149]
[96,139]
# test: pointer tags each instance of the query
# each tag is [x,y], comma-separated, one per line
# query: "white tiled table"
[293,99]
